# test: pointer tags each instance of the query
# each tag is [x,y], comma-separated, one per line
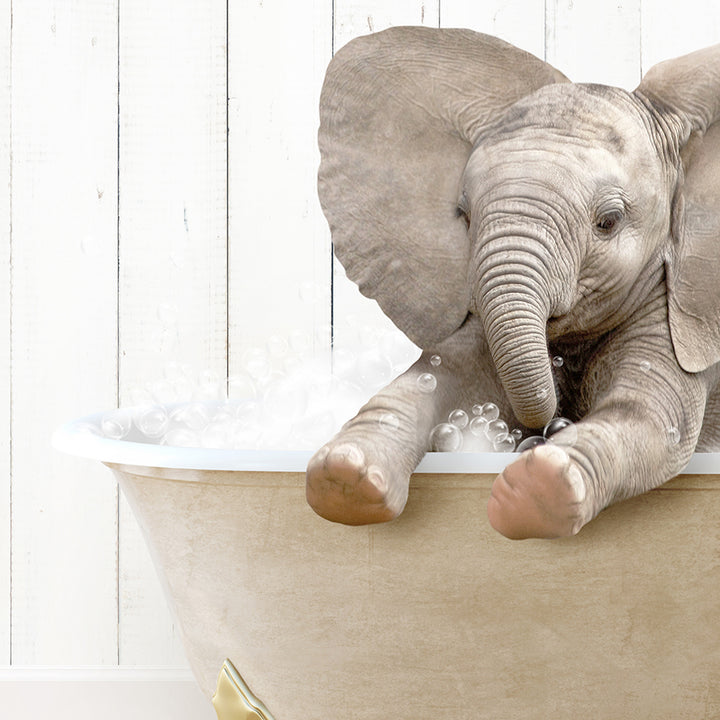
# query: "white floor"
[107,693]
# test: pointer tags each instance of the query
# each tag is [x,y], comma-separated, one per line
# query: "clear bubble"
[530,442]
[445,438]
[138,395]
[374,369]
[489,412]
[673,435]
[152,421]
[517,434]
[495,429]
[569,436]
[504,443]
[426,382]
[116,424]
[542,394]
[163,392]
[477,426]
[300,342]
[286,400]
[256,363]
[459,418]
[181,437]
[477,409]
[435,360]
[211,387]
[217,434]
[645,365]
[240,387]
[248,413]
[277,346]
[389,423]
[194,415]
[557,361]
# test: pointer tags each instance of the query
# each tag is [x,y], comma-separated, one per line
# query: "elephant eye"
[608,221]
[463,209]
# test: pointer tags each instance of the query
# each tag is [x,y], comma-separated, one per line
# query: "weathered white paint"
[64,349]
[5,275]
[279,252]
[172,240]
[595,42]
[168,298]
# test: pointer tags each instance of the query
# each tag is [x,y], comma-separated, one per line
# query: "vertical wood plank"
[279,242]
[520,22]
[5,284]
[64,294]
[173,228]
[595,42]
[358,321]
[673,29]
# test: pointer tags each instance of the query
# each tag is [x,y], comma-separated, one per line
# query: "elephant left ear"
[686,95]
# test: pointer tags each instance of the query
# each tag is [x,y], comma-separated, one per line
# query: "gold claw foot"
[233,699]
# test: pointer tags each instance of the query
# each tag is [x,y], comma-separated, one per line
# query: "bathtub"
[287,616]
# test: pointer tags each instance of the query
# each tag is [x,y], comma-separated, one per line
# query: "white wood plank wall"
[158,206]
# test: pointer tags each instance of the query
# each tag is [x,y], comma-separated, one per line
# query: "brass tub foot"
[233,699]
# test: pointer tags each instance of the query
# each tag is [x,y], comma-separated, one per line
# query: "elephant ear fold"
[399,113]
[686,94]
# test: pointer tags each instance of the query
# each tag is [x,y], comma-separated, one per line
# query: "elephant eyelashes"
[607,222]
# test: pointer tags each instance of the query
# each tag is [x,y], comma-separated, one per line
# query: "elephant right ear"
[686,95]
[399,113]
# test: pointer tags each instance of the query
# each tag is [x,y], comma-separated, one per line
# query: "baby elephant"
[501,216]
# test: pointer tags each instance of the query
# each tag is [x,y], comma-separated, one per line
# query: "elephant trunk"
[514,300]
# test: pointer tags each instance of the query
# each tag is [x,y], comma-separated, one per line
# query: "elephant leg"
[362,474]
[642,416]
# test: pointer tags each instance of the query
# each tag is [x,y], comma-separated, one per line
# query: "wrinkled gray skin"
[502,215]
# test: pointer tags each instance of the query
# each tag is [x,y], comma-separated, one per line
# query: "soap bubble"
[673,435]
[163,392]
[140,396]
[152,421]
[504,443]
[247,413]
[277,346]
[517,434]
[389,422]
[645,365]
[426,382]
[286,399]
[181,437]
[557,361]
[445,438]
[530,442]
[557,424]
[374,369]
[478,425]
[116,424]
[217,435]
[256,363]
[488,412]
[495,429]
[458,418]
[194,415]
[211,387]
[435,360]
[240,387]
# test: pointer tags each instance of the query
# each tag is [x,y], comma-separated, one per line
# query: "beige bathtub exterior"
[435,615]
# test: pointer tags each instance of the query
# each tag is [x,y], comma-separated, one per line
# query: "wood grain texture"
[64,343]
[595,42]
[279,255]
[173,228]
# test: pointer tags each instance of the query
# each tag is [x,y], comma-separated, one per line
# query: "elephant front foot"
[540,495]
[342,486]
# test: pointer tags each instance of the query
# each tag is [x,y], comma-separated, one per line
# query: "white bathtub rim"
[72,438]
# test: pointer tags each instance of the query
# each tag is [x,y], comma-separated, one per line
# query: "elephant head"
[462,175]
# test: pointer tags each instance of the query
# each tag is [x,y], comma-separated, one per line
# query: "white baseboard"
[104,693]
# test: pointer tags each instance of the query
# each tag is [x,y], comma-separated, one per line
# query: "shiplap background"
[157,204]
